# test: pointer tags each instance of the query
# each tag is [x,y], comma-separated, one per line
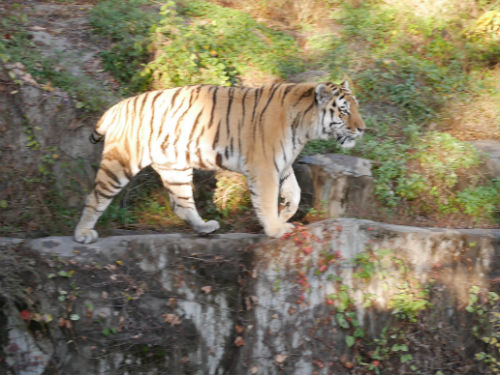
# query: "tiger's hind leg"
[111,177]
[290,192]
[178,184]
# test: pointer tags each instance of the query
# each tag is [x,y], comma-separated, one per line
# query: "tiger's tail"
[100,129]
[95,137]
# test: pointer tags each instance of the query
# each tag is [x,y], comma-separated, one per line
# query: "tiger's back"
[203,126]
[255,131]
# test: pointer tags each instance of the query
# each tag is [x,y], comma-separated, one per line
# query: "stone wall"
[243,304]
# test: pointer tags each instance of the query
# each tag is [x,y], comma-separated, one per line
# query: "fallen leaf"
[206,289]
[348,364]
[238,328]
[25,315]
[280,358]
[48,87]
[37,28]
[307,250]
[171,319]
[111,267]
[248,304]
[69,325]
[238,341]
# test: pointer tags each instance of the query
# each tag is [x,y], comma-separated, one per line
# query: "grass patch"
[193,42]
[217,46]
[129,26]
[436,176]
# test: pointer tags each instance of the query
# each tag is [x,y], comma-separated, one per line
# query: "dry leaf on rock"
[239,341]
[206,289]
[171,319]
[280,358]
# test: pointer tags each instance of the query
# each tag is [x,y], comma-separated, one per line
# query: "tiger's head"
[338,115]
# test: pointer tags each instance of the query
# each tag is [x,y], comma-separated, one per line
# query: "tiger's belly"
[202,157]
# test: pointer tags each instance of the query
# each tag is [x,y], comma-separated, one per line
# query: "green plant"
[438,162]
[481,201]
[129,25]
[406,299]
[407,66]
[428,174]
[484,36]
[391,157]
[484,308]
[216,46]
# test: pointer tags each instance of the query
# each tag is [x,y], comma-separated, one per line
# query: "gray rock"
[41,140]
[241,304]
[338,185]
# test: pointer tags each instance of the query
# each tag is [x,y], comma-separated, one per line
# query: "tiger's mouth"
[348,140]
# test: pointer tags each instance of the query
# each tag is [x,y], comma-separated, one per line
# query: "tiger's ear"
[323,94]
[345,85]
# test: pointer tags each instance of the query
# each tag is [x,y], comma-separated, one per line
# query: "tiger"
[258,132]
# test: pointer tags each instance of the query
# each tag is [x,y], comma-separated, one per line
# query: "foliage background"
[425,73]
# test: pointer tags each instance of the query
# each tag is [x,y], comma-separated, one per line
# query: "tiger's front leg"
[264,191]
[290,192]
[179,185]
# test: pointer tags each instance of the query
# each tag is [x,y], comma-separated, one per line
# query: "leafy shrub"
[484,33]
[431,175]
[369,21]
[437,163]
[480,202]
[484,311]
[215,46]
[128,24]
[199,43]
[391,157]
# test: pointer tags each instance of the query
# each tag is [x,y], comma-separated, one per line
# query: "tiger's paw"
[208,227]
[85,236]
[279,231]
